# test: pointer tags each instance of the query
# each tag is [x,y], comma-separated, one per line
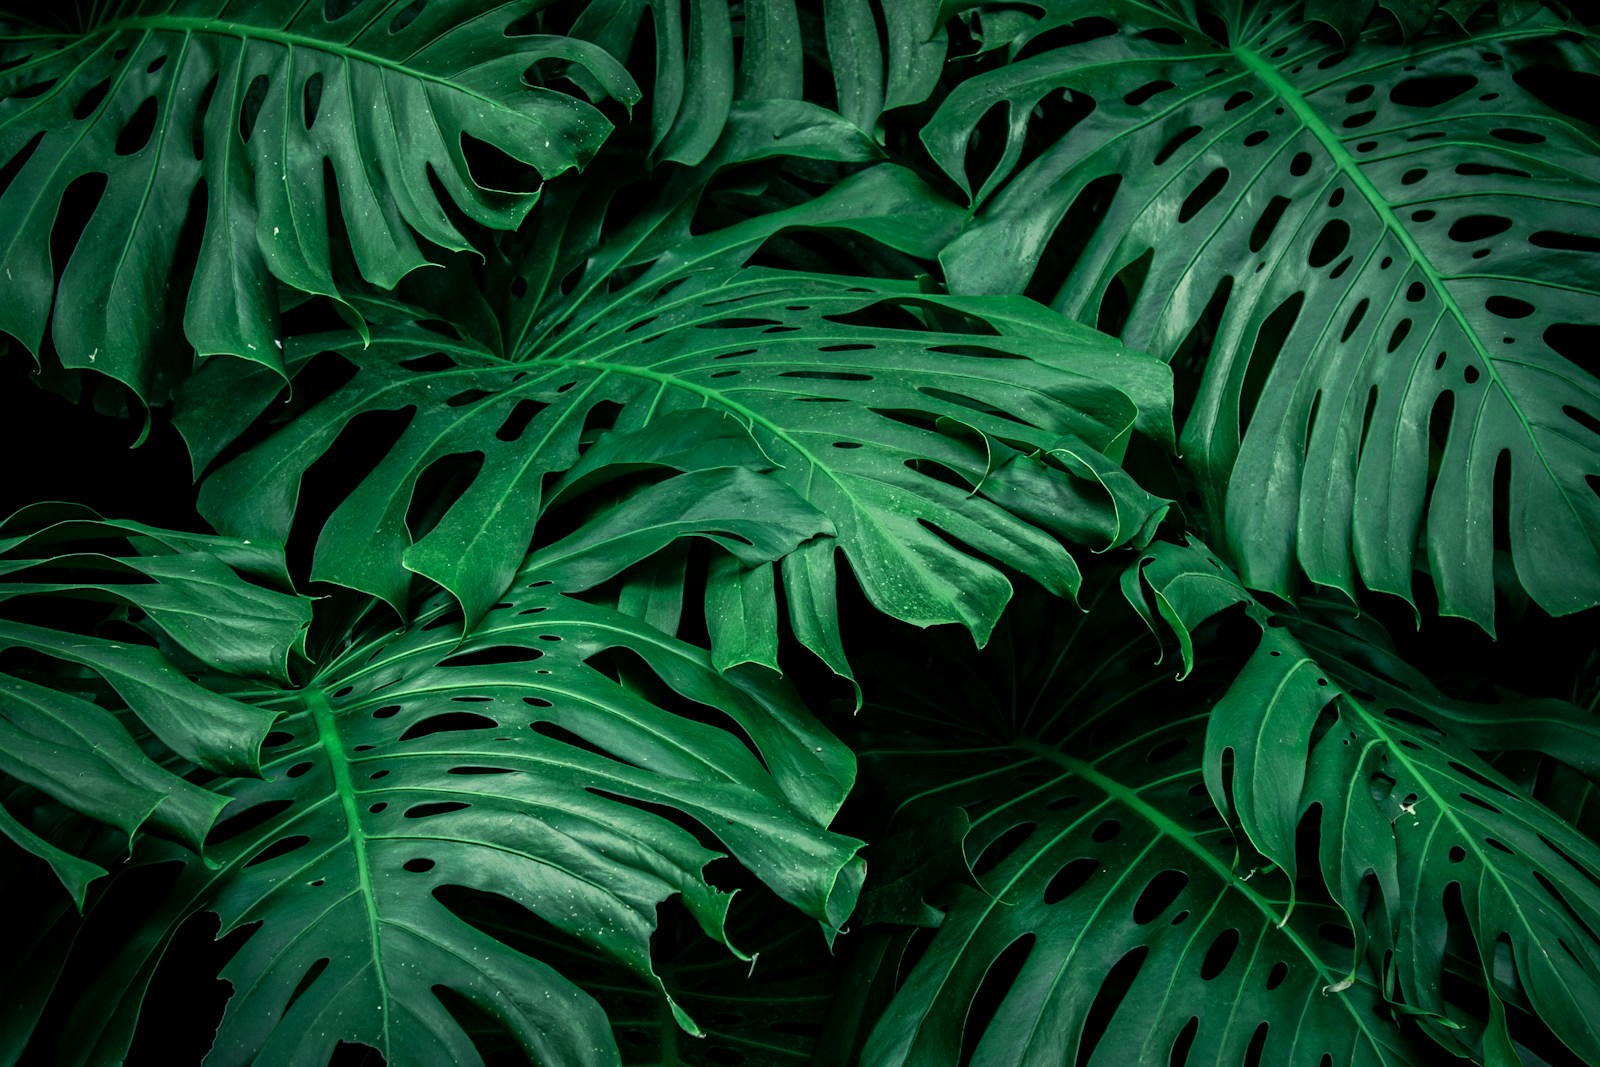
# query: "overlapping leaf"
[1325,716]
[62,695]
[712,56]
[1111,925]
[1382,260]
[766,1009]
[418,765]
[859,401]
[249,103]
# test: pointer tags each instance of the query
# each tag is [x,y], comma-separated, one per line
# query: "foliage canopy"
[695,491]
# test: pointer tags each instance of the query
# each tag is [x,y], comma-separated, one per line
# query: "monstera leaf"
[163,110]
[1113,921]
[767,1009]
[853,392]
[65,694]
[421,773]
[1382,262]
[1325,716]
[882,56]
[1350,17]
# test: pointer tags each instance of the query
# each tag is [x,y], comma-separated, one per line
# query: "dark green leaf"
[838,381]
[508,763]
[1323,716]
[252,102]
[1111,923]
[1393,240]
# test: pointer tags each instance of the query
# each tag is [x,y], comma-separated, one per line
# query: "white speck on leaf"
[96,352]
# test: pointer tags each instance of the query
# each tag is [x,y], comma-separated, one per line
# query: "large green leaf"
[1382,260]
[160,100]
[418,764]
[882,55]
[858,399]
[66,689]
[1325,716]
[1113,922]
[762,1011]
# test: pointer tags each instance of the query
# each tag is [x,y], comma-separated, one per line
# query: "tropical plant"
[761,533]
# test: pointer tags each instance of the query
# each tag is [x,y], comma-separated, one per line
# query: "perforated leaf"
[841,383]
[417,766]
[69,685]
[1325,717]
[1379,264]
[1115,921]
[230,113]
[711,57]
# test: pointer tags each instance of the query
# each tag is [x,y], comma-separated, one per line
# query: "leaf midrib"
[1165,826]
[191,26]
[1347,165]
[322,716]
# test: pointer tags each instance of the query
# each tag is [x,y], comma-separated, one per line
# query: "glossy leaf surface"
[63,699]
[1374,261]
[840,383]
[1324,717]
[1112,922]
[231,113]
[417,765]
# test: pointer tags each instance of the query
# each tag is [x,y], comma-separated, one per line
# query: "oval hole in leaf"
[1470,228]
[1565,242]
[306,981]
[437,489]
[1354,321]
[516,423]
[492,657]
[1267,222]
[1508,307]
[992,991]
[1112,992]
[1181,1045]
[1175,142]
[1264,355]
[1431,90]
[1070,879]
[1002,846]
[1146,91]
[1330,241]
[435,807]
[250,108]
[136,134]
[281,847]
[1220,954]
[1203,194]
[1078,32]
[1258,1044]
[449,721]
[1159,895]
